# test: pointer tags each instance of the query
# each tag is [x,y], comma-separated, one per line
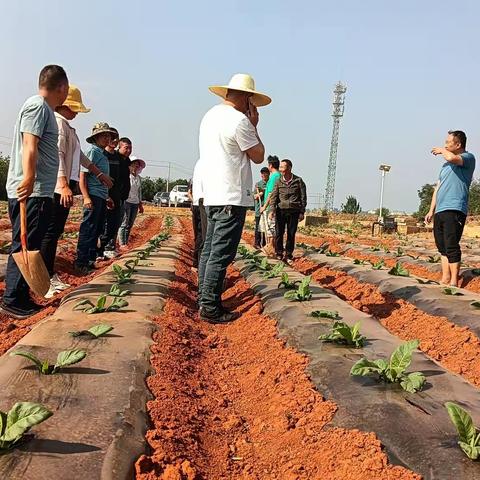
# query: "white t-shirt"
[75,175]
[135,195]
[225,134]
[197,183]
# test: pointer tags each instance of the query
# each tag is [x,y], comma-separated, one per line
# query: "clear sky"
[411,70]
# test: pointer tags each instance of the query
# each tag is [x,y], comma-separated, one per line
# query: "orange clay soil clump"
[233,402]
[456,348]
[11,330]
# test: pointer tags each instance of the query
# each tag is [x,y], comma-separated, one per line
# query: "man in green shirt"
[273,167]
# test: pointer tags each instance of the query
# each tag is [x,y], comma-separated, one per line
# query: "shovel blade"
[34,271]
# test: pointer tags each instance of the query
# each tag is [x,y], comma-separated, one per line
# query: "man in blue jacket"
[449,205]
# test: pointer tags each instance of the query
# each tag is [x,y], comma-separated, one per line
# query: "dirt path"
[233,402]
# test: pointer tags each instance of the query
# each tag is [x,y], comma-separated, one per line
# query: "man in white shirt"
[228,142]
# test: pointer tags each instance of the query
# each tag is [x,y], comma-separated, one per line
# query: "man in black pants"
[449,205]
[288,202]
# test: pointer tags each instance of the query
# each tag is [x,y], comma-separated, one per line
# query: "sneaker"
[19,313]
[279,256]
[99,258]
[57,283]
[52,291]
[288,259]
[223,317]
[110,254]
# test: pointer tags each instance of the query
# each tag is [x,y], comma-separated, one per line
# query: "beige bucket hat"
[99,128]
[244,83]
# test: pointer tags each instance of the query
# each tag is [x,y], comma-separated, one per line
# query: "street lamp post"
[384,169]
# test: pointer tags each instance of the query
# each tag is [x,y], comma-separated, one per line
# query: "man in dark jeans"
[449,206]
[288,202]
[228,143]
[259,197]
[32,175]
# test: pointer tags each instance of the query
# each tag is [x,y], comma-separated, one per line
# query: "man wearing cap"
[95,196]
[228,142]
[32,174]
[259,198]
[70,158]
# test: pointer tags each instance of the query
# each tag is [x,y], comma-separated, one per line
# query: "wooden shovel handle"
[23,224]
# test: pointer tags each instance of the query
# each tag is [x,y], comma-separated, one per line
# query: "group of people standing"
[48,168]
[222,192]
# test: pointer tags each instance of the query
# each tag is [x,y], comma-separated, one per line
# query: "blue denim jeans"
[38,217]
[90,229]
[224,230]
[129,216]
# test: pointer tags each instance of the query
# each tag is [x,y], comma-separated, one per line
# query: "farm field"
[263,397]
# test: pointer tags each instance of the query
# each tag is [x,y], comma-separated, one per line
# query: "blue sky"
[411,70]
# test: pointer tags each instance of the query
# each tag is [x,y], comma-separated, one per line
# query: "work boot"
[218,317]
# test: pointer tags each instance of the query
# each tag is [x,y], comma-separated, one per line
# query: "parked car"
[179,196]
[160,199]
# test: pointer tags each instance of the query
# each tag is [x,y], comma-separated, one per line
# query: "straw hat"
[243,83]
[99,128]
[141,163]
[74,100]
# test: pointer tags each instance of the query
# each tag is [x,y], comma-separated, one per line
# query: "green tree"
[425,195]
[351,205]
[4,162]
[148,189]
[474,198]
[385,212]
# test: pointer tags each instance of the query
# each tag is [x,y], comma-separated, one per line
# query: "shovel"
[31,264]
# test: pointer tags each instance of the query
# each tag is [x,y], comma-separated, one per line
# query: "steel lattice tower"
[338,107]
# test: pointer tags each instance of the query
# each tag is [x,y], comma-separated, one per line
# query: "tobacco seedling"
[375,249]
[168,221]
[304,246]
[122,275]
[286,283]
[18,421]
[386,249]
[131,264]
[262,265]
[399,252]
[143,255]
[378,265]
[344,334]
[468,434]
[433,259]
[357,261]
[399,271]
[452,291]
[101,306]
[329,253]
[333,314]
[427,282]
[116,291]
[94,332]
[393,370]
[64,359]
[275,271]
[302,292]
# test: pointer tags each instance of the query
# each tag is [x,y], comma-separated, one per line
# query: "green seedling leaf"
[333,314]
[475,271]
[451,291]
[286,283]
[433,259]
[399,252]
[302,293]
[102,300]
[375,249]
[275,271]
[344,334]
[68,357]
[117,304]
[357,261]
[116,291]
[30,356]
[399,271]
[378,265]
[393,371]
[468,435]
[20,418]
[94,332]
[83,303]
[332,254]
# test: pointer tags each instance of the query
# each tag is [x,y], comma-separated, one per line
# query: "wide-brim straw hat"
[243,83]
[74,100]
[99,128]
[141,163]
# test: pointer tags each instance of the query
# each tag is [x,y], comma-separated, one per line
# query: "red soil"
[11,330]
[233,402]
